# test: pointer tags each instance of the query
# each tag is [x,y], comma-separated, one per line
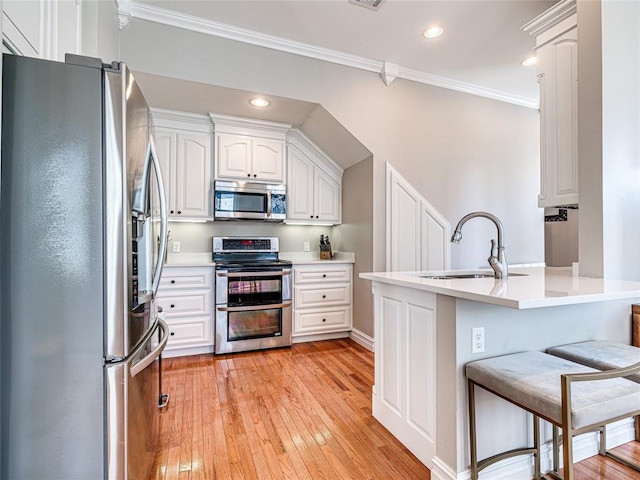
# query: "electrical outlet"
[176,247]
[306,246]
[477,340]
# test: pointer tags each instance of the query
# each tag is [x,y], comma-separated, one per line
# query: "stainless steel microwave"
[249,201]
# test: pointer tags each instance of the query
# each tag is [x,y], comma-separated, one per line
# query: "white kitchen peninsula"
[423,336]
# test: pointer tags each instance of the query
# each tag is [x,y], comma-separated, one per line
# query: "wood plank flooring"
[298,413]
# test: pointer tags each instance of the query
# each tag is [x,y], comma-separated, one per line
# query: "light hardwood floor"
[298,413]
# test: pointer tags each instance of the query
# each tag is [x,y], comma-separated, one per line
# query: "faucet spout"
[497,259]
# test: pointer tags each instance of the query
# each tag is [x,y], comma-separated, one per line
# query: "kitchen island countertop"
[538,287]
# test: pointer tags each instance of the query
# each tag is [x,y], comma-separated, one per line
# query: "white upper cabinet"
[314,183]
[184,143]
[41,28]
[557,51]
[248,149]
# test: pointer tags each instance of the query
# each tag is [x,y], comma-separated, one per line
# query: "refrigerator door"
[51,272]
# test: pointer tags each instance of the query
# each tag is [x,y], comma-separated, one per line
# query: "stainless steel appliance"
[249,201]
[81,206]
[253,294]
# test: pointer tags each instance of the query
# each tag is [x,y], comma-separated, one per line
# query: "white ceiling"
[480,50]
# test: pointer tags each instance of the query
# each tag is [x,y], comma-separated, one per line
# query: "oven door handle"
[279,273]
[254,307]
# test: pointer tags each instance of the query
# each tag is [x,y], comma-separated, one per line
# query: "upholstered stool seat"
[574,397]
[600,355]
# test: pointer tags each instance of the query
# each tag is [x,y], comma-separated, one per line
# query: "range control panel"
[242,244]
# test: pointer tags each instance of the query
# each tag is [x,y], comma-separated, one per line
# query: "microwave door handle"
[268,203]
[143,363]
[163,216]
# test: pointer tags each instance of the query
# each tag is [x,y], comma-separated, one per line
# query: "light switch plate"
[176,247]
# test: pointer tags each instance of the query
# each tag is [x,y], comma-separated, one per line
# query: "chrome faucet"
[496,259]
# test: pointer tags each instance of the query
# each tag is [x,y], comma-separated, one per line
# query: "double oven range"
[253,294]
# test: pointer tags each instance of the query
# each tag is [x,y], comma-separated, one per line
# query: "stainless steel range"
[253,294]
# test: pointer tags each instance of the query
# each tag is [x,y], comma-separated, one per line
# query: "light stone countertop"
[541,287]
[309,258]
[297,258]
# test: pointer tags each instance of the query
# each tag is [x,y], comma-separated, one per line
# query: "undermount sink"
[455,276]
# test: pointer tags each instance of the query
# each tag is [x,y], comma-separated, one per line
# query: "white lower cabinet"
[186,298]
[322,299]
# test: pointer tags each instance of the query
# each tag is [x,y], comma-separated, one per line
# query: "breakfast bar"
[427,328]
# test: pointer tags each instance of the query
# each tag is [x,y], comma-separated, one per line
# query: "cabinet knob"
[248,174]
[170,211]
[316,215]
[179,212]
[324,296]
[324,320]
[172,333]
[255,175]
[173,281]
[311,216]
[173,306]
[324,275]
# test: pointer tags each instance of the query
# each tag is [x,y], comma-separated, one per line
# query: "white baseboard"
[521,468]
[319,337]
[362,339]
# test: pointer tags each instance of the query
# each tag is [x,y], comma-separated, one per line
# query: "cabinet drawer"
[192,333]
[312,296]
[325,320]
[185,303]
[322,274]
[187,277]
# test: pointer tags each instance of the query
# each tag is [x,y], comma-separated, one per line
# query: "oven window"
[254,324]
[254,290]
[241,202]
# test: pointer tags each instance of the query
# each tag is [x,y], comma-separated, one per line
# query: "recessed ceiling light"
[532,60]
[433,32]
[259,102]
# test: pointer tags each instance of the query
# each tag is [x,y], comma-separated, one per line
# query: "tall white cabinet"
[41,28]
[557,51]
[249,149]
[184,143]
[314,183]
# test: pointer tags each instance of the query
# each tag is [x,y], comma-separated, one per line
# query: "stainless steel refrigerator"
[82,238]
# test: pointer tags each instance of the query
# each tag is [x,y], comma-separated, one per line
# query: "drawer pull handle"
[173,333]
[173,306]
[173,281]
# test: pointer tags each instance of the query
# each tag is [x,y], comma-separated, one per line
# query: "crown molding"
[550,17]
[230,32]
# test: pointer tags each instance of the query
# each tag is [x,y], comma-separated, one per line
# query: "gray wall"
[461,152]
[354,235]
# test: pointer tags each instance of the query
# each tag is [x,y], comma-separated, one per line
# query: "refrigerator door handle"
[152,152]
[143,363]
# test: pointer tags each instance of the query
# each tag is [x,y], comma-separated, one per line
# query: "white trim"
[319,337]
[183,352]
[363,339]
[231,32]
[521,468]
[176,119]
[239,125]
[554,15]
[303,143]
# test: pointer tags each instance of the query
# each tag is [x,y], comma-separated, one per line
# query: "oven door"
[253,310]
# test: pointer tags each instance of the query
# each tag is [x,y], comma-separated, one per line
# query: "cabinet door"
[328,197]
[300,186]
[22,25]
[267,160]
[557,76]
[233,156]
[166,149]
[193,174]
